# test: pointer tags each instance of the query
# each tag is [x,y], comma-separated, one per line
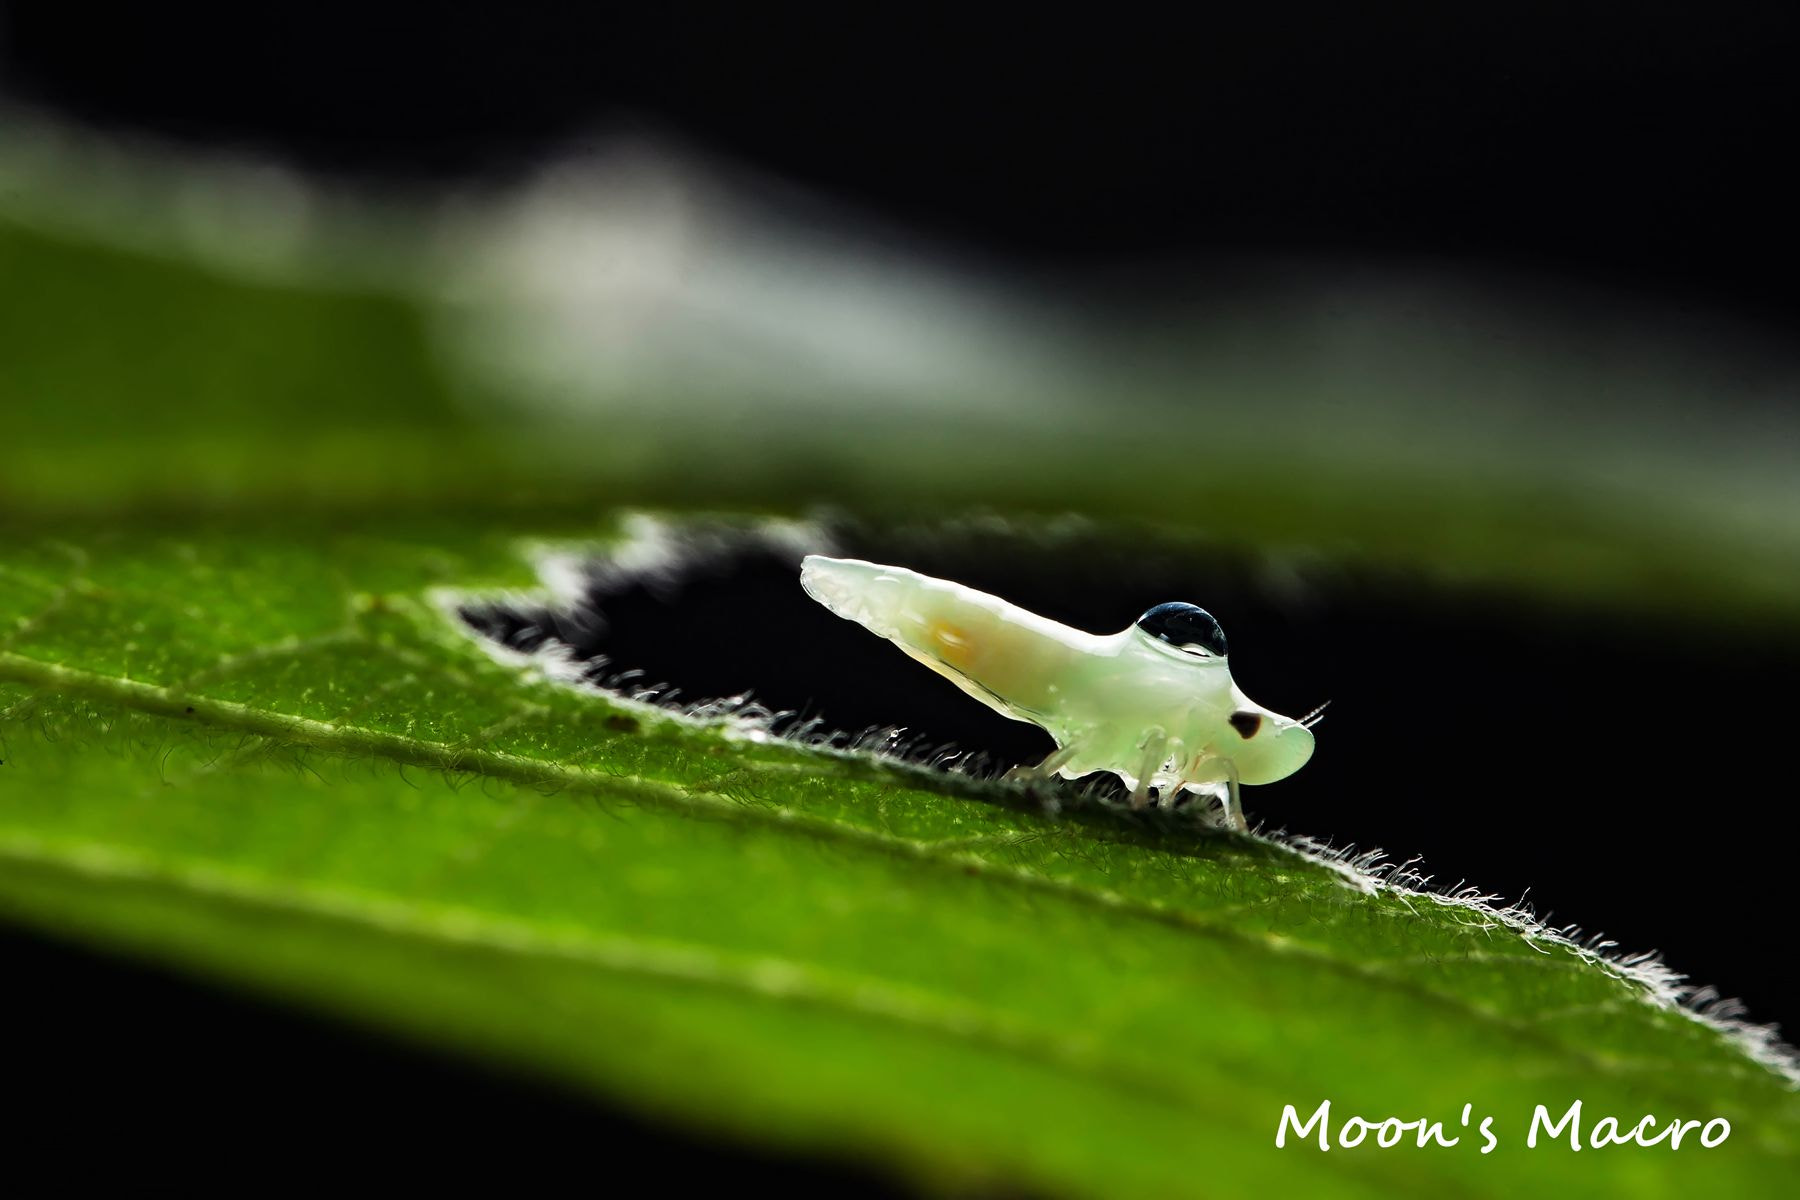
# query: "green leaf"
[267,753]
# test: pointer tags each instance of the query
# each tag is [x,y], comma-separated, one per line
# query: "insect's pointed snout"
[846,586]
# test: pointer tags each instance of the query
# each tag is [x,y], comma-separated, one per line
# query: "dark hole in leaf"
[1435,744]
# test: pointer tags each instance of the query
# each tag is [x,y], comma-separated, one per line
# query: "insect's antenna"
[1313,718]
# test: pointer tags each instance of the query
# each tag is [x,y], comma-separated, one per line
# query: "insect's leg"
[1192,771]
[1156,752]
[1165,796]
[1214,768]
[1058,759]
[1234,807]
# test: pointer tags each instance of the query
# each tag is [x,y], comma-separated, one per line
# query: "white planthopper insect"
[1154,704]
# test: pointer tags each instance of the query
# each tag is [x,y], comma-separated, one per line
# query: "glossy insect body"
[1154,704]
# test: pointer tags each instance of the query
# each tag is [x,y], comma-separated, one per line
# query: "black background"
[1639,154]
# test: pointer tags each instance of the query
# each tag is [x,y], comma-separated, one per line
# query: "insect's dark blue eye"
[1185,627]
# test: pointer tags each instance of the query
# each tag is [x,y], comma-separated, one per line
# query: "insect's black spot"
[1246,723]
[622,723]
[1184,625]
[190,708]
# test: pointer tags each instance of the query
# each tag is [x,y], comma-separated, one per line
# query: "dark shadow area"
[120,1071]
[1610,770]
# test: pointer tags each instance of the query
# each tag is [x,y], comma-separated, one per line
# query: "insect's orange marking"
[951,643]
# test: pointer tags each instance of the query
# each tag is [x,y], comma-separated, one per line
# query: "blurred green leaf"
[148,383]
